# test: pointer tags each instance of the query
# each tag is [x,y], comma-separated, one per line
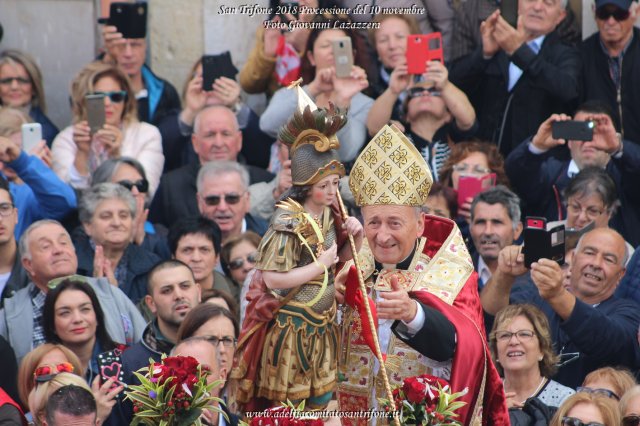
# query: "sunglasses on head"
[239,262]
[572,421]
[44,373]
[632,420]
[142,185]
[598,391]
[214,200]
[604,13]
[117,97]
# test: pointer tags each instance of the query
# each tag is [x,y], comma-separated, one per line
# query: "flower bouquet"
[425,400]
[172,392]
[286,415]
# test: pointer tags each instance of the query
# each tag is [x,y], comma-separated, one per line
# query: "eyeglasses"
[466,168]
[44,373]
[6,209]
[227,341]
[572,421]
[117,97]
[239,262]
[214,200]
[598,391]
[522,335]
[632,420]
[142,185]
[20,80]
[591,212]
[618,14]
[416,92]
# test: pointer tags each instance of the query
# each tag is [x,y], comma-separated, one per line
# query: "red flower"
[414,390]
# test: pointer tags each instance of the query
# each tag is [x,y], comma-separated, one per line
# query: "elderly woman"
[129,173]
[630,407]
[21,88]
[521,346]
[585,409]
[107,213]
[77,152]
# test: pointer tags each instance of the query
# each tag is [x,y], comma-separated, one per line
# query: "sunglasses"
[416,92]
[572,421]
[8,80]
[598,391]
[117,97]
[632,420]
[142,185]
[214,200]
[44,373]
[618,14]
[239,262]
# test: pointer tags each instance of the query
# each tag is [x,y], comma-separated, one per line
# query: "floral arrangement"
[425,400]
[286,415]
[172,392]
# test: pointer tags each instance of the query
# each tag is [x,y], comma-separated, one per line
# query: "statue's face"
[392,231]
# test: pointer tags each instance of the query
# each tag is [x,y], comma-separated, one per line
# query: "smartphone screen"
[573,130]
[95,112]
[31,136]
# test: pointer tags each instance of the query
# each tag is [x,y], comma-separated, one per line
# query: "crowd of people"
[193,224]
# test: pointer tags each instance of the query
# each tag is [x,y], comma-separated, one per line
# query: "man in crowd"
[539,177]
[417,308]
[495,224]
[223,196]
[590,327]
[71,405]
[216,137]
[47,253]
[196,241]
[173,292]
[605,73]
[13,277]
[519,76]
[205,351]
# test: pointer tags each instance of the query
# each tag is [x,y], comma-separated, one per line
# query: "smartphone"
[422,48]
[31,136]
[95,112]
[110,367]
[573,130]
[509,12]
[216,66]
[129,18]
[540,241]
[343,56]
[470,186]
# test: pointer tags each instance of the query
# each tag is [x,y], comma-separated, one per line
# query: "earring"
[540,359]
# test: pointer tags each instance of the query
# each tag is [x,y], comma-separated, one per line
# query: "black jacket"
[540,179]
[597,82]
[176,195]
[549,84]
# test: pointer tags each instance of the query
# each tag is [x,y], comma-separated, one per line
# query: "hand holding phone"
[573,130]
[509,12]
[543,241]
[216,66]
[422,48]
[130,19]
[95,112]
[469,186]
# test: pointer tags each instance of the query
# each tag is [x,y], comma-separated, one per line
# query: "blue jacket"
[42,196]
[162,98]
[592,337]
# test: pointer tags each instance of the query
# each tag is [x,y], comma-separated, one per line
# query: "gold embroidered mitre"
[390,170]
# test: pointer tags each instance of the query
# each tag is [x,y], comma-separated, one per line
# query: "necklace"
[535,392]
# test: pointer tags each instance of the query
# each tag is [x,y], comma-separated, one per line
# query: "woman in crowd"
[129,173]
[21,88]
[107,213]
[325,87]
[522,348]
[608,381]
[585,409]
[45,387]
[441,201]
[630,407]
[238,258]
[476,159]
[77,153]
[46,359]
[220,298]
[72,316]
